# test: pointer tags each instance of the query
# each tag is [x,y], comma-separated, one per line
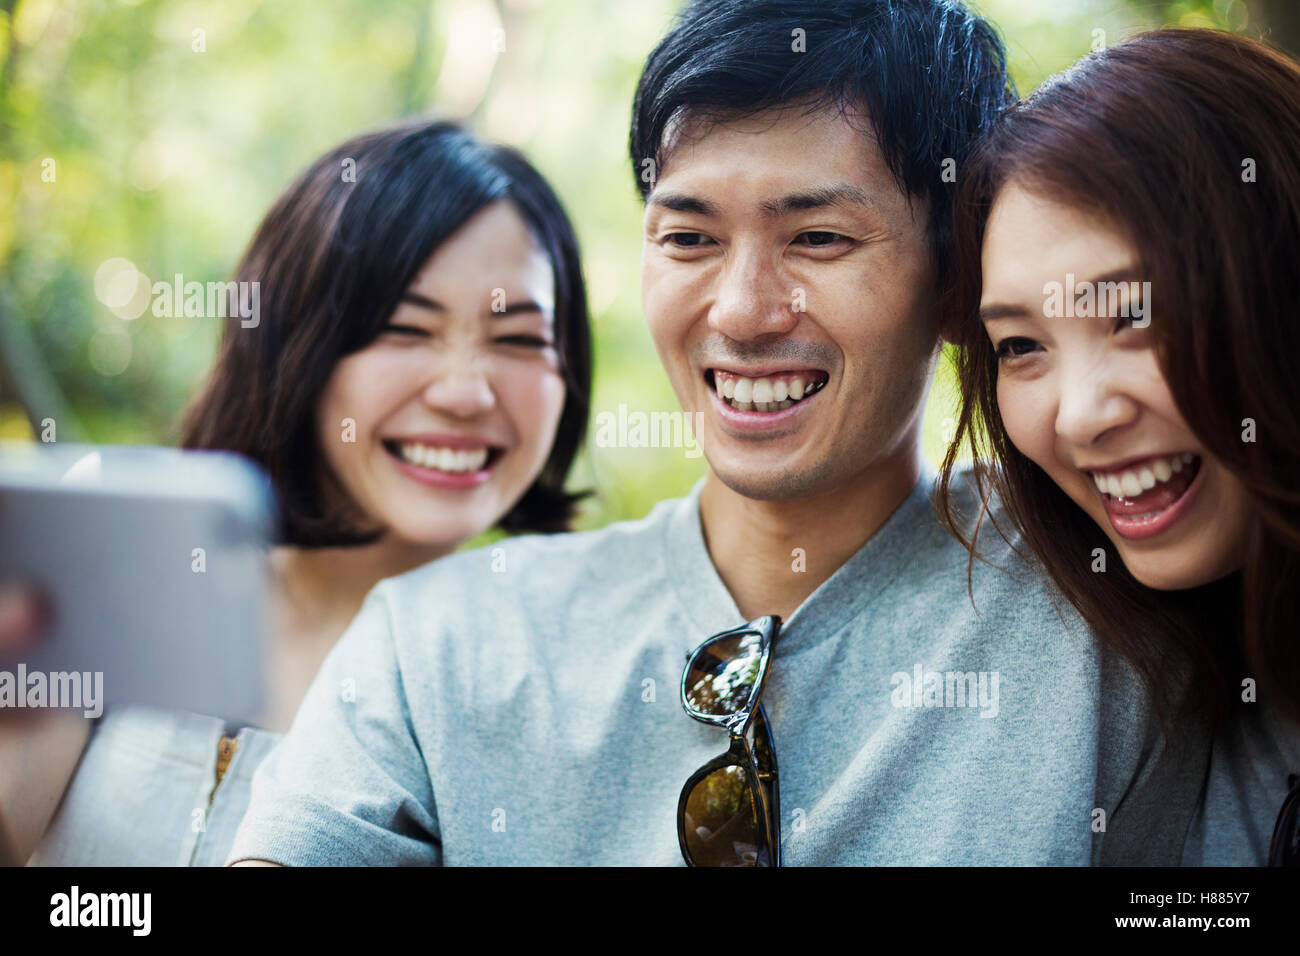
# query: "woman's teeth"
[454,460]
[1133,481]
[764,394]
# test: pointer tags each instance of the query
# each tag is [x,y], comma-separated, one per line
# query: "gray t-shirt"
[519,704]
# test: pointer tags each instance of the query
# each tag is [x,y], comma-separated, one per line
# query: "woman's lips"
[435,478]
[1157,509]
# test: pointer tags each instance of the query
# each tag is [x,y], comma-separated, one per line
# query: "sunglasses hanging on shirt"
[729,813]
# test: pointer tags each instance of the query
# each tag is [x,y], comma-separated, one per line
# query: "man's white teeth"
[1133,481]
[456,460]
[762,394]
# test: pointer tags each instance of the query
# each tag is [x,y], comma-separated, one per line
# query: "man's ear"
[949,323]
[947,330]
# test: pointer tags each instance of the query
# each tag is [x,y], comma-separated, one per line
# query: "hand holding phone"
[155,564]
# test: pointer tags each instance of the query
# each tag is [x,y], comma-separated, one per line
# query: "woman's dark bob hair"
[1188,141]
[333,257]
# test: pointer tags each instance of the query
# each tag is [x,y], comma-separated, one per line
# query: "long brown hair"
[1188,141]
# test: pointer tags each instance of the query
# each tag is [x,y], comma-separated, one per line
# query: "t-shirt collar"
[839,599]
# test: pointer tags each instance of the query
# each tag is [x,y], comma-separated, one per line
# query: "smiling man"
[790,292]
[519,705]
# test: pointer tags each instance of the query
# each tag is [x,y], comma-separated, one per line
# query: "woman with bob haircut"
[420,374]
[1126,331]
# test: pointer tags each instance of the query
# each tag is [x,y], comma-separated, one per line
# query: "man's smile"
[765,392]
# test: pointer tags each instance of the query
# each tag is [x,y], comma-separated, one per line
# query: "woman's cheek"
[379,381]
[536,401]
[1025,415]
[364,391]
[337,407]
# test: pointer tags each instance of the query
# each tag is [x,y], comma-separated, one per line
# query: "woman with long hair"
[1126,332]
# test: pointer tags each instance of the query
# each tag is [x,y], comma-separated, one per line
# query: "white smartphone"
[155,562]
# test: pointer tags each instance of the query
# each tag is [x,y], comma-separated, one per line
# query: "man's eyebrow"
[836,194]
[424,302]
[679,202]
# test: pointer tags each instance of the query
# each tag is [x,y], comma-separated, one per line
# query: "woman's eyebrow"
[526,305]
[414,298]
[999,311]
[1124,274]
[424,302]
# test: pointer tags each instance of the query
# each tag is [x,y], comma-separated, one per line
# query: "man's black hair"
[931,74]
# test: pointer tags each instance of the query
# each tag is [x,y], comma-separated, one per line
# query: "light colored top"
[143,794]
[519,705]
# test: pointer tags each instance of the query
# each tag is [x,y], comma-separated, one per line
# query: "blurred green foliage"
[159,131]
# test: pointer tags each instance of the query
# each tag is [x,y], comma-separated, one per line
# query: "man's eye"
[1014,347]
[532,341]
[820,238]
[686,240]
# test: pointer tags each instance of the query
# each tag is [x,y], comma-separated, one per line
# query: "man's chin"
[771,483]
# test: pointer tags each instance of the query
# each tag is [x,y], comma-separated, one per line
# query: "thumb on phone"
[21,617]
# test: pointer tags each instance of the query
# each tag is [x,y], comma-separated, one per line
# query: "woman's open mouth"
[1145,498]
[443,466]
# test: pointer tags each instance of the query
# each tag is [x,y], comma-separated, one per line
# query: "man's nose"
[752,299]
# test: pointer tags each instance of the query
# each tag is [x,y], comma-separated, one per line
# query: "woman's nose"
[1092,402]
[460,388]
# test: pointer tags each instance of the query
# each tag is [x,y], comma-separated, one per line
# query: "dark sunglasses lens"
[722,821]
[722,674]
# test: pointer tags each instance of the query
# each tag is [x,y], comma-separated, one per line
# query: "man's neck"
[772,555]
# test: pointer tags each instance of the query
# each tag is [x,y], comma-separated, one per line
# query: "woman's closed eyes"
[521,340]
